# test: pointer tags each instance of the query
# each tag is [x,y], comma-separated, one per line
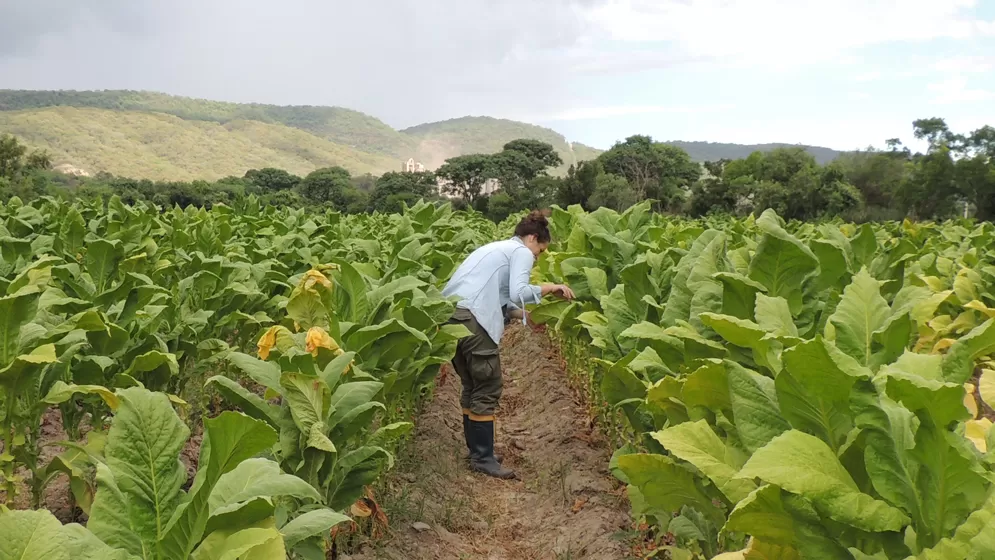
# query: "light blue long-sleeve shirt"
[492,277]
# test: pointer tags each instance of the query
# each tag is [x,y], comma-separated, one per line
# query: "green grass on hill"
[342,126]
[159,136]
[472,135]
[165,147]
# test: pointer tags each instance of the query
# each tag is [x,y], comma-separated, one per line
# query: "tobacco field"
[788,390]
[291,345]
[229,382]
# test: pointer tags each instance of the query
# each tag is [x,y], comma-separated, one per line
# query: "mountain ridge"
[123,132]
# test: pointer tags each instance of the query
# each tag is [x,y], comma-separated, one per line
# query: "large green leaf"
[973,540]
[15,311]
[144,471]
[949,480]
[308,398]
[754,406]
[266,374]
[32,535]
[666,486]
[814,390]
[889,436]
[696,443]
[349,397]
[768,519]
[782,263]
[860,313]
[774,316]
[247,401]
[312,523]
[805,465]
[102,258]
[739,294]
[231,438]
[694,271]
[259,542]
[255,478]
[958,364]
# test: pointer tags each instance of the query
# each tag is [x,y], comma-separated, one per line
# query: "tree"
[330,185]
[613,191]
[394,188]
[877,175]
[541,154]
[38,160]
[930,190]
[464,176]
[11,157]
[271,179]
[500,205]
[713,195]
[933,130]
[653,169]
[580,184]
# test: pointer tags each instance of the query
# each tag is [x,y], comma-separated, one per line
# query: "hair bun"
[539,217]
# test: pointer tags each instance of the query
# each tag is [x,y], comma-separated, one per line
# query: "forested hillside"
[169,137]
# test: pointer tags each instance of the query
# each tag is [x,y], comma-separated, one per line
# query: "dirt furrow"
[563,505]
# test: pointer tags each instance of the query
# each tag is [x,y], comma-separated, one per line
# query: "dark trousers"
[478,363]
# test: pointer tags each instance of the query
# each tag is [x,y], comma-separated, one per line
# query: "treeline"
[954,177]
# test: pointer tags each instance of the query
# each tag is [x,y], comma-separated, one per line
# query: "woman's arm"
[521,291]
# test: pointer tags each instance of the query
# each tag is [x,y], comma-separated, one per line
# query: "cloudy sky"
[842,73]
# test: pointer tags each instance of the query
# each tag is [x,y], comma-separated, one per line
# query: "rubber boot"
[466,436]
[482,450]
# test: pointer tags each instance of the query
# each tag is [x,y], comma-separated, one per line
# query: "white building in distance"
[412,166]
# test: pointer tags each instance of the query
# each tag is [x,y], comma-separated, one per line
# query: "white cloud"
[867,76]
[956,90]
[785,32]
[592,113]
[965,64]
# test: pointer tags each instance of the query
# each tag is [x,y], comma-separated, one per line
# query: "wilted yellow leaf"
[986,387]
[942,345]
[360,509]
[266,343]
[276,336]
[978,306]
[313,277]
[976,430]
[318,338]
[969,401]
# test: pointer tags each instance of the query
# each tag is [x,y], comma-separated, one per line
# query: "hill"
[166,147]
[154,135]
[713,151]
[342,126]
[483,135]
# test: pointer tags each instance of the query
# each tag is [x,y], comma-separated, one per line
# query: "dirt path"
[564,504]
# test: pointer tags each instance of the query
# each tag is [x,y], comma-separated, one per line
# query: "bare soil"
[564,503]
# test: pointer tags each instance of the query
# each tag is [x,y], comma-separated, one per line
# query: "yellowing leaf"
[969,401]
[976,431]
[978,306]
[360,509]
[986,387]
[942,345]
[318,338]
[276,336]
[313,277]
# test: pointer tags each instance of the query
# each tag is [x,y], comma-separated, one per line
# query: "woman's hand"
[559,290]
[563,291]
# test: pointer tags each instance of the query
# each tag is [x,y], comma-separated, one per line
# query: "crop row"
[788,390]
[291,345]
